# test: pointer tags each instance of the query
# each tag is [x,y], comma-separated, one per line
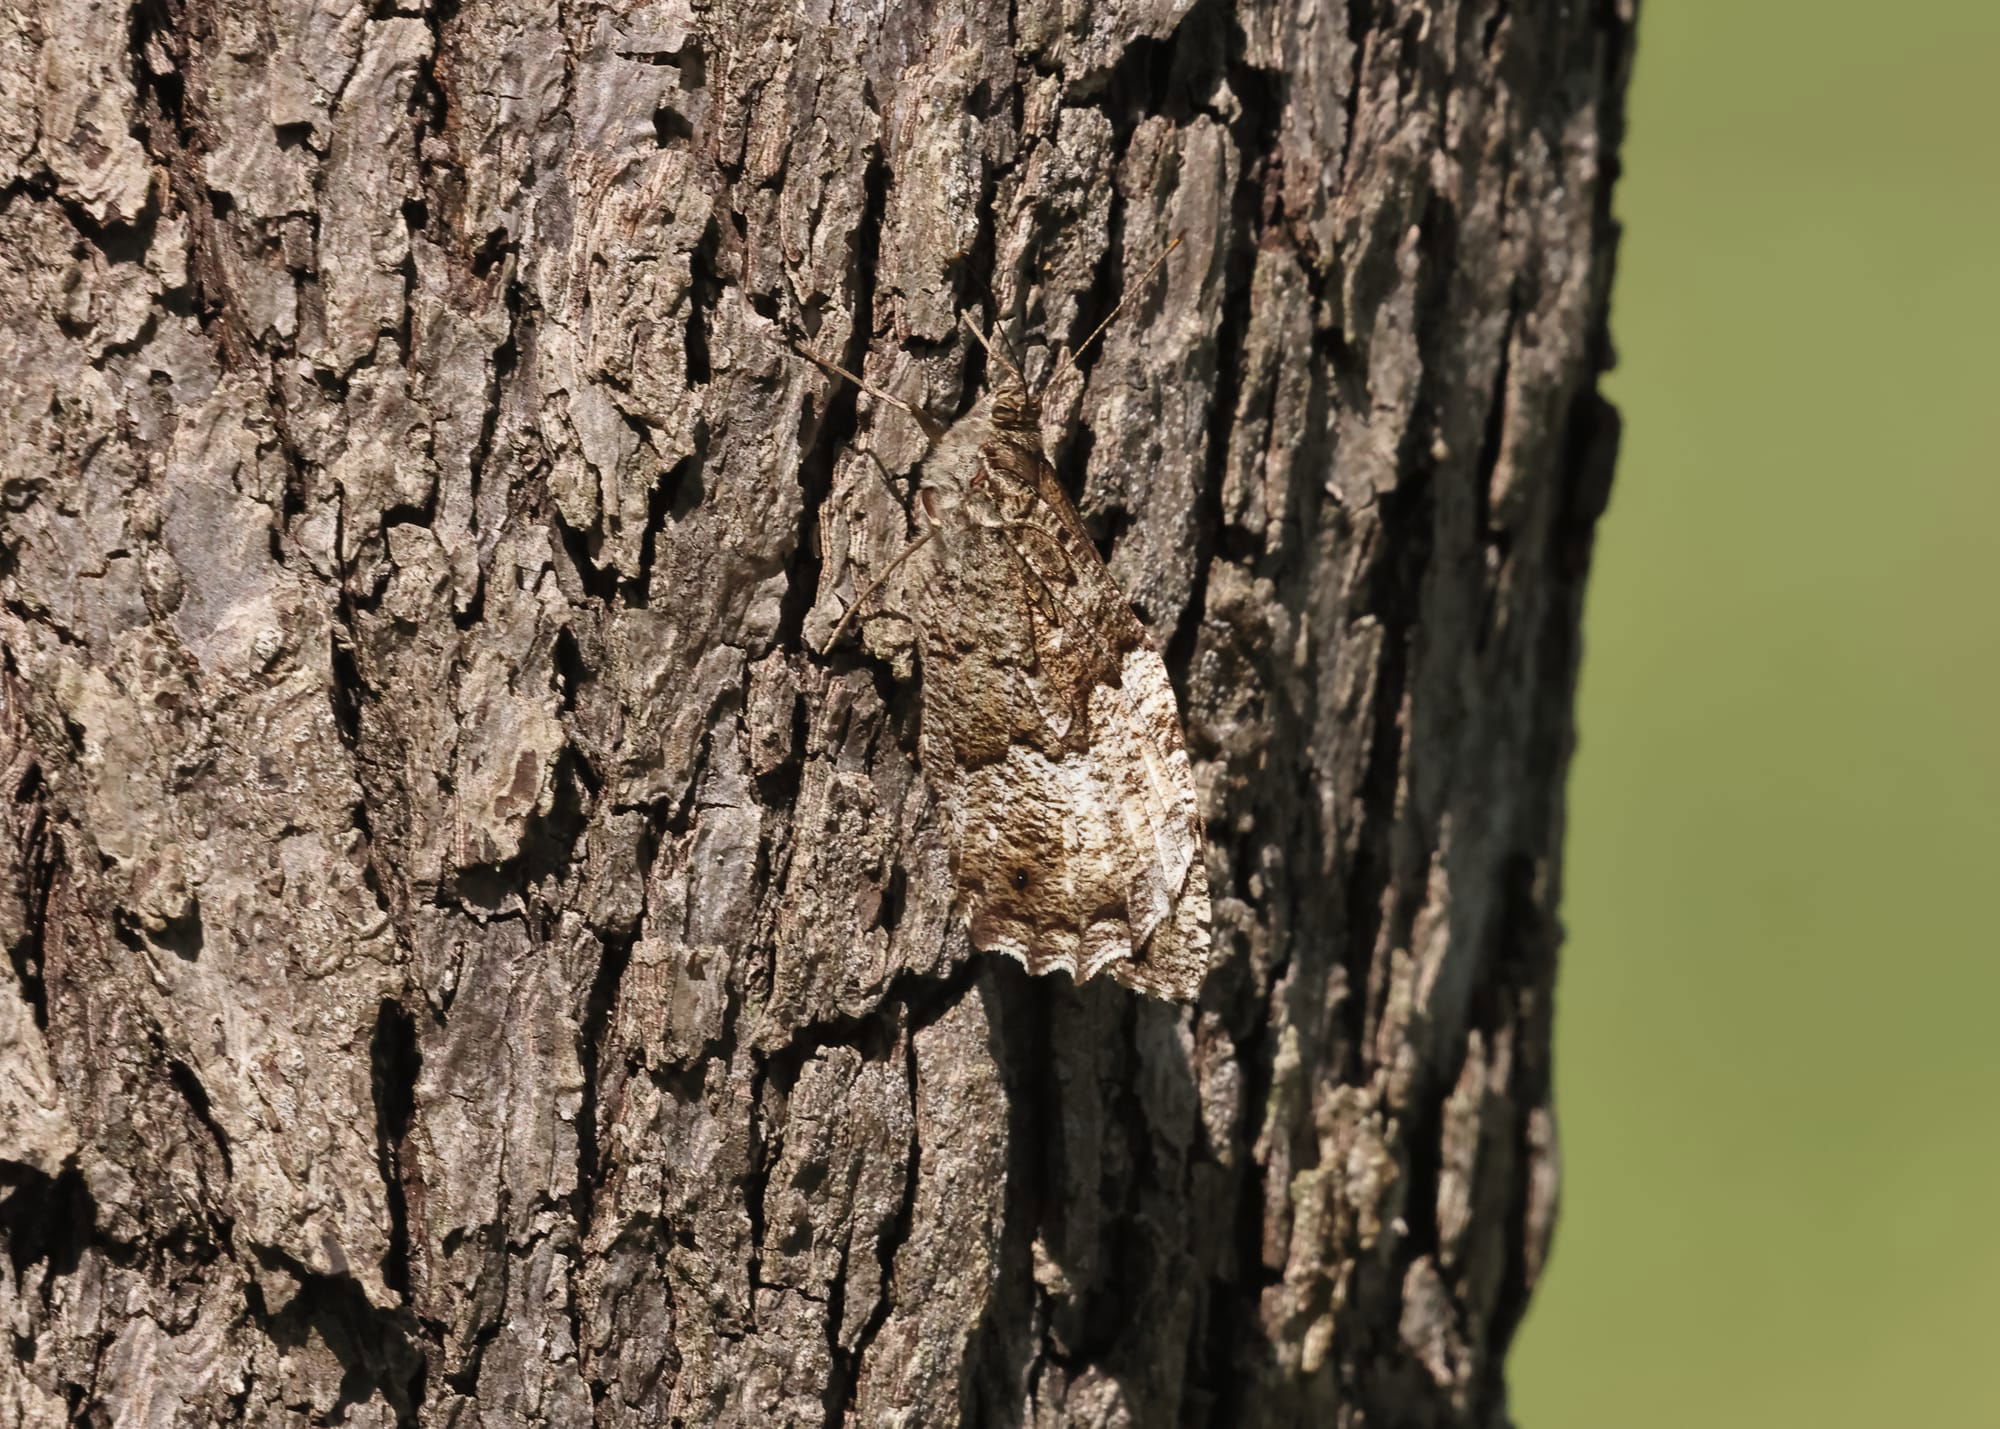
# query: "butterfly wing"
[1051,730]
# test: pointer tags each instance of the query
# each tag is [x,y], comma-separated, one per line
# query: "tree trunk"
[474,962]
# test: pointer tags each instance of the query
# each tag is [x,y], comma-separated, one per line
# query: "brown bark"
[471,962]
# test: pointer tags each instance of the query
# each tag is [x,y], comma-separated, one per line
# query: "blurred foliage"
[1776,1059]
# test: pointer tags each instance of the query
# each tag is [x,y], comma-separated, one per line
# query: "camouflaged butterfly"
[1049,729]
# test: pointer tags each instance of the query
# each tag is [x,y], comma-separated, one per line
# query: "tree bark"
[474,962]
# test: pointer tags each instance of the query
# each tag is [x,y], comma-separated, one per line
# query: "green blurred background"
[1776,1050]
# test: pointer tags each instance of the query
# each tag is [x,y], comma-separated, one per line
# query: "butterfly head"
[1014,407]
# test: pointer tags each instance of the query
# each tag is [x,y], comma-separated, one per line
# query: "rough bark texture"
[470,962]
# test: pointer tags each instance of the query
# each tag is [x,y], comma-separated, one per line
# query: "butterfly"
[1049,728]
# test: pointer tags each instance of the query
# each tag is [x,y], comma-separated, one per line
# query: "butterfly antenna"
[1070,359]
[875,585]
[992,352]
[932,427]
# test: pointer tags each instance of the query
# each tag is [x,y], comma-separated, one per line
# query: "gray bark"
[471,962]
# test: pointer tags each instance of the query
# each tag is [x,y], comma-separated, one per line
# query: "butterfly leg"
[838,496]
[993,353]
[933,428]
[876,585]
